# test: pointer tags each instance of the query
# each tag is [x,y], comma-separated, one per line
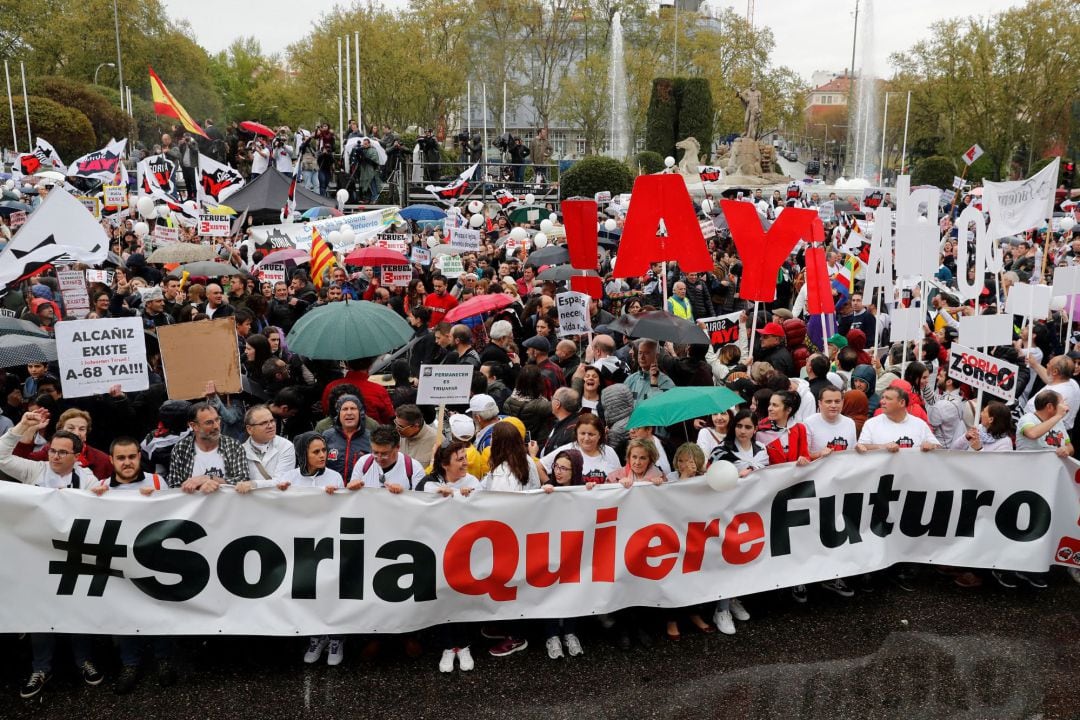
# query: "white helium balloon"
[1057,304]
[9,185]
[145,206]
[1067,223]
[163,211]
[335,237]
[342,196]
[553,217]
[141,229]
[454,210]
[669,161]
[519,234]
[540,240]
[530,198]
[610,225]
[476,221]
[348,235]
[722,475]
[546,226]
[475,206]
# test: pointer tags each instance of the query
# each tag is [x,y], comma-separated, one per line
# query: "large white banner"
[301,562]
[365,226]
[1021,204]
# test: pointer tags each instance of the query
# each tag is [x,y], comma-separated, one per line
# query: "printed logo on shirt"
[214,472]
[332,455]
[905,442]
[837,444]
[596,476]
[1055,438]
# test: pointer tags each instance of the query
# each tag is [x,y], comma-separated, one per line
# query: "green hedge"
[66,129]
[594,174]
[935,170]
[679,108]
[107,119]
[649,161]
[695,112]
[660,122]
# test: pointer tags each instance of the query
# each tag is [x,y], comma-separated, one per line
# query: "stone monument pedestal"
[745,158]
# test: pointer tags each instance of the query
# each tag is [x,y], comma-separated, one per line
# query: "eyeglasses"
[263,423]
[60,453]
[563,468]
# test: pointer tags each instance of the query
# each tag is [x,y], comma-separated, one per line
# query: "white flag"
[1021,204]
[214,179]
[47,154]
[60,230]
[100,164]
[157,173]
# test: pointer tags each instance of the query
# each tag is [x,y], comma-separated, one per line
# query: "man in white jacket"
[61,470]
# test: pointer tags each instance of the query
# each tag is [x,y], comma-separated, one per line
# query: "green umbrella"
[347,330]
[681,403]
[529,213]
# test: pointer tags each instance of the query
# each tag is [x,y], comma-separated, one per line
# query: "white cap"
[482,403]
[462,427]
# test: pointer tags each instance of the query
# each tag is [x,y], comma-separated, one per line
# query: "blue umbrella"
[321,212]
[423,212]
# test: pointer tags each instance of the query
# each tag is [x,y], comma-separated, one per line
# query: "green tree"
[662,118]
[107,119]
[594,174]
[66,129]
[695,112]
[935,170]
[584,101]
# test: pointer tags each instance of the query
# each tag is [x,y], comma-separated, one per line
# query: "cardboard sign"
[397,275]
[99,276]
[16,219]
[907,324]
[957,182]
[827,211]
[451,265]
[273,273]
[972,154]
[420,256]
[213,342]
[115,196]
[986,330]
[444,385]
[573,314]
[722,329]
[982,371]
[465,238]
[73,291]
[1066,280]
[215,225]
[392,241]
[164,234]
[94,355]
[92,204]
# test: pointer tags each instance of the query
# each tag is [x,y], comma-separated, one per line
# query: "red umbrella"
[375,256]
[479,304]
[257,128]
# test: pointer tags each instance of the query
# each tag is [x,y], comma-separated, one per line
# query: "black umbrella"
[18,350]
[14,326]
[661,325]
[562,273]
[550,255]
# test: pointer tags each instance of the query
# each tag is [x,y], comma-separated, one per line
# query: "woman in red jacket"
[78,422]
[784,440]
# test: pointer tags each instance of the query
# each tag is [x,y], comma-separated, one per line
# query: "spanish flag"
[322,257]
[166,104]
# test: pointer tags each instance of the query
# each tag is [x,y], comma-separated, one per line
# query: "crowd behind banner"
[545,409]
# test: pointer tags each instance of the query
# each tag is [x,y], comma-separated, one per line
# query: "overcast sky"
[809,36]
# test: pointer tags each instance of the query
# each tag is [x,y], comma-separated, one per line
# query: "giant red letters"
[763,253]
[656,198]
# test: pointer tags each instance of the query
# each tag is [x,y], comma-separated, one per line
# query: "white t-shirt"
[327,478]
[501,479]
[399,474]
[146,481]
[466,483]
[1069,392]
[822,434]
[283,159]
[593,469]
[1057,436]
[258,162]
[707,440]
[911,432]
[209,463]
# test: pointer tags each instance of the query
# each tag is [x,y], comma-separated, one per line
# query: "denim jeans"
[133,647]
[43,647]
[311,180]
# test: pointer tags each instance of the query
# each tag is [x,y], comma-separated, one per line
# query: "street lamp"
[112,65]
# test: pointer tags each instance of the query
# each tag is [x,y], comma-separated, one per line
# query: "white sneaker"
[316,647]
[738,610]
[336,653]
[465,661]
[573,645]
[554,647]
[446,664]
[723,621]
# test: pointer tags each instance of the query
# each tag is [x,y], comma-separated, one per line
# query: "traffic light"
[1068,174]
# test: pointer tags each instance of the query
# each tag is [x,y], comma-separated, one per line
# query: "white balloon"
[1067,223]
[553,217]
[163,211]
[540,240]
[518,234]
[335,237]
[347,234]
[669,161]
[342,196]
[141,229]
[476,221]
[1057,304]
[530,198]
[546,226]
[145,206]
[722,475]
[9,185]
[610,225]
[475,206]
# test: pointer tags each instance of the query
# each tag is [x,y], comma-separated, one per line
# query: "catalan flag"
[322,257]
[166,104]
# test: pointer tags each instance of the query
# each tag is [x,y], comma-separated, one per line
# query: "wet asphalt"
[979,654]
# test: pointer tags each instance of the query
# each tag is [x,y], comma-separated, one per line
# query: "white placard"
[451,265]
[420,255]
[465,238]
[392,241]
[982,371]
[215,225]
[603,197]
[986,330]
[17,219]
[92,204]
[73,290]
[444,385]
[165,234]
[906,324]
[708,228]
[115,196]
[1031,301]
[273,273]
[1066,280]
[397,275]
[573,310]
[99,276]
[94,355]
[972,154]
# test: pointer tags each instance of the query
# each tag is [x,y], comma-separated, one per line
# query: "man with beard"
[205,460]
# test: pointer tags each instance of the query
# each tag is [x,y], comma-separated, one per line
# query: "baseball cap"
[772,328]
[482,403]
[462,427]
[536,342]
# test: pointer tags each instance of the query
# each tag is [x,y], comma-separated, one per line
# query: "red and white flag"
[450,193]
[972,154]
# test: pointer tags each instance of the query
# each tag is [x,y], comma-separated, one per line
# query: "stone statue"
[688,165]
[751,99]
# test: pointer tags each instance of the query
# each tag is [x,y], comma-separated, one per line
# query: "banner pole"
[11,110]
[438,433]
[26,104]
[753,332]
[340,99]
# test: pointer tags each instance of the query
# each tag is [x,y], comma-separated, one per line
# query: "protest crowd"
[832,362]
